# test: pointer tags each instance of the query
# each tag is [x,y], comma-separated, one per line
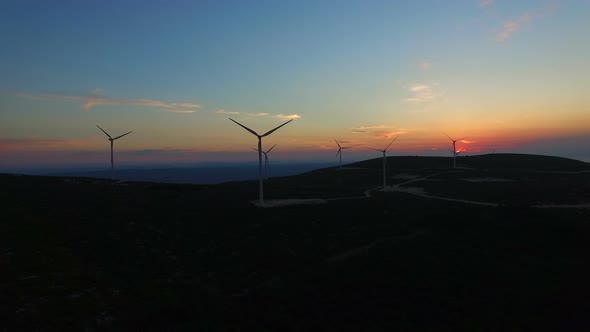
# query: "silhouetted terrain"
[499,243]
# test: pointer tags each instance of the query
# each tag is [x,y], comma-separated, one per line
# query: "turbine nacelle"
[342,148]
[112,139]
[339,152]
[266,162]
[387,147]
[260,152]
[455,152]
[454,140]
[255,133]
[385,161]
[109,136]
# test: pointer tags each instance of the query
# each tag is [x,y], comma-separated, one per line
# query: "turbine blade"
[391,143]
[347,147]
[448,136]
[337,142]
[255,149]
[338,152]
[122,135]
[104,132]
[271,131]
[248,129]
[271,148]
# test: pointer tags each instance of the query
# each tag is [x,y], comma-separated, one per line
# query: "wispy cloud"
[220,111]
[287,116]
[424,65]
[365,128]
[162,151]
[96,98]
[90,102]
[180,111]
[263,114]
[42,144]
[387,133]
[379,131]
[486,3]
[421,93]
[511,26]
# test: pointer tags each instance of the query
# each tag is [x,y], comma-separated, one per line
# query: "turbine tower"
[339,153]
[266,163]
[261,191]
[454,149]
[111,139]
[385,161]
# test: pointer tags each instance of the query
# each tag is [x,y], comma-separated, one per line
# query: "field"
[499,243]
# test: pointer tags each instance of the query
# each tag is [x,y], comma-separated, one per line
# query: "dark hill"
[469,249]
[484,161]
[524,161]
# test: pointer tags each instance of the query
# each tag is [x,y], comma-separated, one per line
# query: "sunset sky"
[510,76]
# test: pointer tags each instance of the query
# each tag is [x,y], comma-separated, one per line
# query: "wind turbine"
[112,140]
[339,153]
[266,163]
[261,191]
[454,149]
[385,161]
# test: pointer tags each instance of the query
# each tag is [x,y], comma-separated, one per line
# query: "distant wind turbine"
[266,163]
[385,162]
[454,149]
[112,140]
[339,153]
[261,191]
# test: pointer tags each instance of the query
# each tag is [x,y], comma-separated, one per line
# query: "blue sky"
[510,75]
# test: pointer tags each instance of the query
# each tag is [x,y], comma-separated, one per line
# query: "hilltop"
[498,243]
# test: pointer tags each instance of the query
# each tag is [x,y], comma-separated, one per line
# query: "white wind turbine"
[266,163]
[261,191]
[454,148]
[385,161]
[339,153]
[112,140]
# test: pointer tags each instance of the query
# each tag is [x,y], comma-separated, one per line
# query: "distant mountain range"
[216,173]
[203,174]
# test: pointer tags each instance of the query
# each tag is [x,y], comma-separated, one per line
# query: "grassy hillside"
[93,254]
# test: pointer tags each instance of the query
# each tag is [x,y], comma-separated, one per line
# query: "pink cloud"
[287,116]
[425,65]
[485,3]
[220,111]
[511,26]
[96,99]
[421,93]
[41,144]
